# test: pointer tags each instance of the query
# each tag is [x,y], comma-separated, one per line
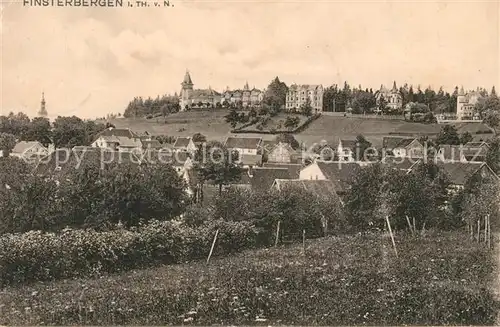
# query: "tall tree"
[275,95]
[7,143]
[493,155]
[448,135]
[215,163]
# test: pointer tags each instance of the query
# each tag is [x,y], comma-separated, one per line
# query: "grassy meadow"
[211,123]
[347,280]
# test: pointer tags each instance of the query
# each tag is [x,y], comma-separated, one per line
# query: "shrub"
[36,256]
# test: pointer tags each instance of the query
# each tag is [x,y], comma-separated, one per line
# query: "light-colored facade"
[196,98]
[246,97]
[345,150]
[466,104]
[392,97]
[280,153]
[298,96]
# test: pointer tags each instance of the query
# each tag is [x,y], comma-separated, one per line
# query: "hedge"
[299,129]
[34,255]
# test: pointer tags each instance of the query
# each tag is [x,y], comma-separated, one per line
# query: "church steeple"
[43,110]
[394,87]
[187,80]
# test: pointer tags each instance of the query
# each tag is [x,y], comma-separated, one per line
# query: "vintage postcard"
[249,162]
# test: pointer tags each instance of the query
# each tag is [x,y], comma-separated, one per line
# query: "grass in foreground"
[348,280]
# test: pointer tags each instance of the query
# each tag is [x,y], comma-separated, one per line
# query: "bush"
[36,256]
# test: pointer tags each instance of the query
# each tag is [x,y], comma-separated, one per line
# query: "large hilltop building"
[246,97]
[190,97]
[298,95]
[466,104]
[393,97]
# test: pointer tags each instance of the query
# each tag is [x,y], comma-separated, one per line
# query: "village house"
[450,153]
[402,147]
[476,151]
[244,145]
[119,139]
[31,151]
[405,164]
[340,173]
[459,173]
[293,168]
[466,104]
[64,160]
[184,144]
[346,150]
[262,178]
[281,153]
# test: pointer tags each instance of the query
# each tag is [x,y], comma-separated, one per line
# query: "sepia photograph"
[249,163]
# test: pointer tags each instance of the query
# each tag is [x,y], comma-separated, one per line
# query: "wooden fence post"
[277,233]
[304,241]
[212,248]
[392,236]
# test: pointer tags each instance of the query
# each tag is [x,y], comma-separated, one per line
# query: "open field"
[276,123]
[347,280]
[329,128]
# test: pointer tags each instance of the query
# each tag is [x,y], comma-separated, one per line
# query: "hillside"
[330,128]
[346,280]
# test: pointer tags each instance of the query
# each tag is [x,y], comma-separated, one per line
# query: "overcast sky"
[92,61]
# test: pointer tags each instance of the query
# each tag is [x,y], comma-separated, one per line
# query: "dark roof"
[477,145]
[396,142]
[243,142]
[69,159]
[321,188]
[349,144]
[250,159]
[154,144]
[165,156]
[404,163]
[460,172]
[340,173]
[263,178]
[182,142]
[293,169]
[23,146]
[123,132]
[451,152]
[187,79]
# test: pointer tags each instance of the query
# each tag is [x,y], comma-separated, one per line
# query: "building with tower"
[466,104]
[244,98]
[392,97]
[197,98]
[43,110]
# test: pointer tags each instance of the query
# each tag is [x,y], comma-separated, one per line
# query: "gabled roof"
[263,178]
[451,152]
[182,142]
[405,163]
[153,144]
[122,132]
[23,146]
[321,188]
[281,145]
[243,142]
[340,173]
[476,145]
[396,142]
[293,169]
[460,172]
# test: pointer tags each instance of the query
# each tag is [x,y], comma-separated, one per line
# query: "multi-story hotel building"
[298,95]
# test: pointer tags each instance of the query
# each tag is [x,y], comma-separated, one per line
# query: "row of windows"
[301,99]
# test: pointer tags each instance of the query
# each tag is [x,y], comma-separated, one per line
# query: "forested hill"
[160,106]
